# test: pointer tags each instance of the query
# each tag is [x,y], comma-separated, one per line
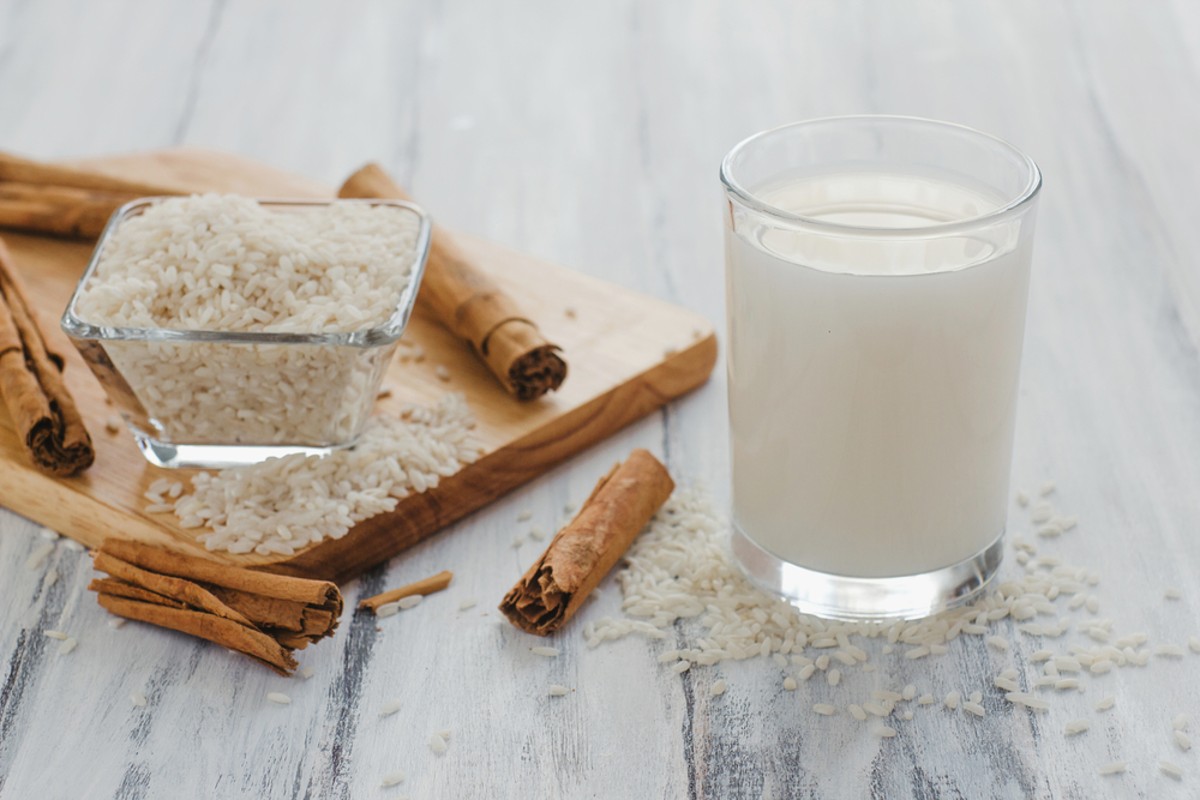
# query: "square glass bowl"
[211,398]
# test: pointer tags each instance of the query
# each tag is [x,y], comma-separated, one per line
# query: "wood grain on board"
[628,353]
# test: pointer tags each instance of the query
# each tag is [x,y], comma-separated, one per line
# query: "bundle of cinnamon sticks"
[265,616]
[63,201]
[42,410]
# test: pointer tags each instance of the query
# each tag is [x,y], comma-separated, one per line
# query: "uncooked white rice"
[1169,651]
[718,688]
[437,743]
[833,676]
[1006,684]
[883,731]
[387,610]
[389,708]
[524,516]
[73,545]
[392,779]
[279,697]
[412,601]
[62,636]
[1075,727]
[137,698]
[39,555]
[116,623]
[48,534]
[1180,723]
[307,672]
[229,264]
[282,505]
[1172,593]
[557,690]
[548,652]
[1027,700]
[1170,769]
[537,534]
[67,646]
[469,603]
[1183,740]
[1114,768]
[680,570]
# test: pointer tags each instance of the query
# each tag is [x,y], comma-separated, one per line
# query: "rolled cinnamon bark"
[42,409]
[17,169]
[469,304]
[434,583]
[583,552]
[224,632]
[63,201]
[58,210]
[275,613]
[167,586]
[119,588]
[323,594]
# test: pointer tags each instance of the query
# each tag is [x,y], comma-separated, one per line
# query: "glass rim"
[1010,208]
[385,333]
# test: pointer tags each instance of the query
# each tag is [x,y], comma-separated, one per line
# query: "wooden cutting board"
[629,354]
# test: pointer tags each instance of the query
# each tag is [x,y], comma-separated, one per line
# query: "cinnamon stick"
[434,583]
[42,409]
[264,615]
[283,587]
[16,169]
[119,588]
[224,632]
[467,302]
[167,586]
[58,210]
[583,552]
[63,201]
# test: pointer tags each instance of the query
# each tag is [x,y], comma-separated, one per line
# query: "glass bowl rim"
[385,333]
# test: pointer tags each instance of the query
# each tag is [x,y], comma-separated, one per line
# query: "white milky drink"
[873,379]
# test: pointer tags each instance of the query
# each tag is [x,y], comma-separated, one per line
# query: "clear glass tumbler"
[877,275]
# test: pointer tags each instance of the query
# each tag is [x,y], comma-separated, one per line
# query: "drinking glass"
[877,274]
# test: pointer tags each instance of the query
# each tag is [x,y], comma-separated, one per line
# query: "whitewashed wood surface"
[590,134]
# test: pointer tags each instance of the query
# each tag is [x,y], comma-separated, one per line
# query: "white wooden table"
[590,134]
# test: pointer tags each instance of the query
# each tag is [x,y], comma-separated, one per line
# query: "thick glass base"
[216,456]
[841,597]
